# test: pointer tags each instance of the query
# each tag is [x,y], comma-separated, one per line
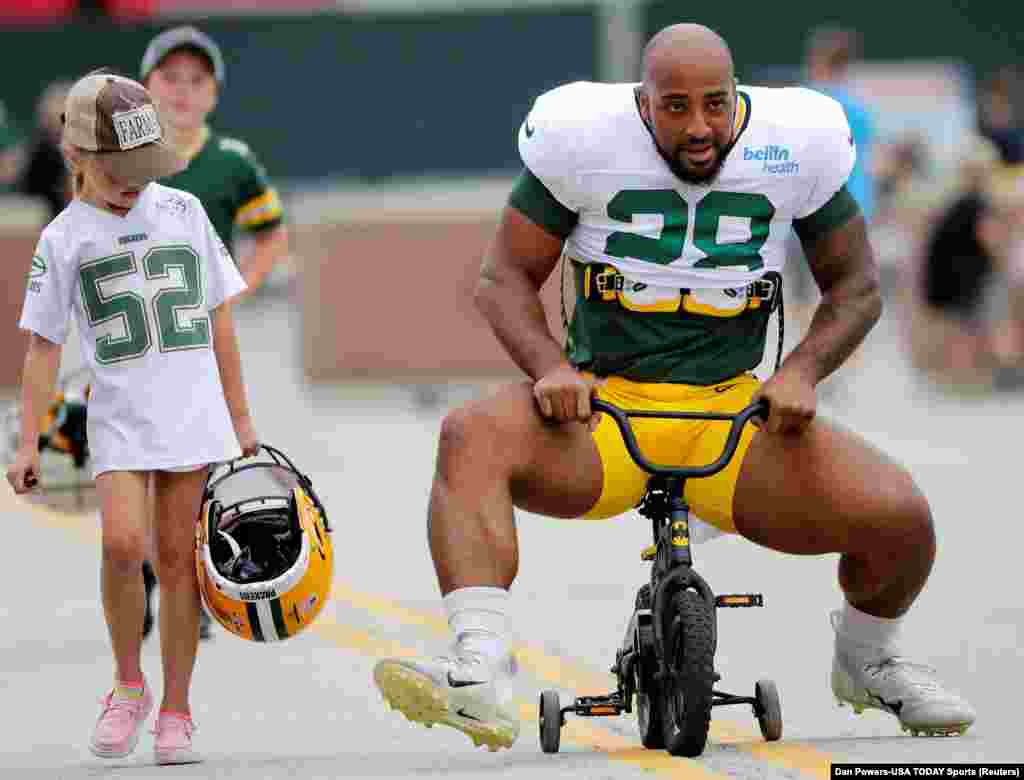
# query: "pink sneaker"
[173,744]
[117,729]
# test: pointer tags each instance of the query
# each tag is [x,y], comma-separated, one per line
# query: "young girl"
[149,283]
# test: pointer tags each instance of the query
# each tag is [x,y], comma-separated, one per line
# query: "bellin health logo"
[775,158]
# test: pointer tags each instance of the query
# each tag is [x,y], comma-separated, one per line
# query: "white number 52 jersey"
[141,288]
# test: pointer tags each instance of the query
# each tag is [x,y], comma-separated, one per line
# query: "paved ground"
[307,708]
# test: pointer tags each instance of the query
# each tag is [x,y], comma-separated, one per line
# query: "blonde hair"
[74,156]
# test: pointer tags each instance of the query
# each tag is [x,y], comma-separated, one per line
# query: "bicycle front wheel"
[690,649]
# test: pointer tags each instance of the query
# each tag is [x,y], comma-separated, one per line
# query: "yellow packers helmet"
[63,427]
[263,548]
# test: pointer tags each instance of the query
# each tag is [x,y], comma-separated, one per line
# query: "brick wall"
[392,299]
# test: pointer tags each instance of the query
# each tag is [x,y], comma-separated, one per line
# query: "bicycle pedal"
[739,600]
[589,708]
[608,704]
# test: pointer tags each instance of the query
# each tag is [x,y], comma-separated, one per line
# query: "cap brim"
[143,164]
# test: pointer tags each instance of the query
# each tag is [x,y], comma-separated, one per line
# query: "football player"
[671,200]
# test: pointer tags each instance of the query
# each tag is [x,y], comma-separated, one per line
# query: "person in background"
[1005,194]
[184,70]
[997,114]
[967,319]
[830,53]
[12,151]
[828,56]
[45,174]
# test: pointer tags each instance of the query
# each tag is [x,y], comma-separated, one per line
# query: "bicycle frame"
[664,504]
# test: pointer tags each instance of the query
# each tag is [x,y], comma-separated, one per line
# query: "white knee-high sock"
[478,618]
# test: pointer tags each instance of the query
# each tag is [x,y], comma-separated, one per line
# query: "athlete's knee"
[917,518]
[914,513]
[484,432]
[909,526]
[458,430]
[124,553]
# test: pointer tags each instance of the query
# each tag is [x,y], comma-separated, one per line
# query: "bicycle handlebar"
[738,420]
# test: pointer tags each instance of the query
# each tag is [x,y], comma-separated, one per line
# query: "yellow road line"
[574,676]
[577,731]
[556,670]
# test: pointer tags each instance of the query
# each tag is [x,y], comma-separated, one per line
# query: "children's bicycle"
[666,660]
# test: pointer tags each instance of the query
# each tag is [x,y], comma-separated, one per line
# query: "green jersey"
[675,281]
[232,186]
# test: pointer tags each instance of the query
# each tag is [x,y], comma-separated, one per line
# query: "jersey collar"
[742,116]
[193,151]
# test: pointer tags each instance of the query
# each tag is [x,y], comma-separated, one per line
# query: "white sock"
[867,636]
[477,617]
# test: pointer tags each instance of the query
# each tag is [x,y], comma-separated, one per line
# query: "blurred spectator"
[830,53]
[46,175]
[12,151]
[184,70]
[905,199]
[969,320]
[898,167]
[998,114]
[1005,195]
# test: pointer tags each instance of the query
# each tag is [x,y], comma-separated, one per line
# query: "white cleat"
[911,692]
[460,692]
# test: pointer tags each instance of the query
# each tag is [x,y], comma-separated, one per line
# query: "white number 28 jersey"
[589,146]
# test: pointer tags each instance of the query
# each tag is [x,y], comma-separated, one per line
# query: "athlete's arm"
[265,249]
[515,266]
[843,265]
[229,364]
[517,263]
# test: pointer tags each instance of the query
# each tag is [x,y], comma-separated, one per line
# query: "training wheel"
[770,715]
[550,721]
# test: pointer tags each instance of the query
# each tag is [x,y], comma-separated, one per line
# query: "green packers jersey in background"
[665,270]
[232,186]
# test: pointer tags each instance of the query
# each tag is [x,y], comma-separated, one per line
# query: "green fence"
[356,95]
[763,36]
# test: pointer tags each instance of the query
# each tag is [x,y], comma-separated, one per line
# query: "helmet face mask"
[256,545]
[263,553]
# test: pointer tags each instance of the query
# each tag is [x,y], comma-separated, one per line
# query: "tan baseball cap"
[116,118]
